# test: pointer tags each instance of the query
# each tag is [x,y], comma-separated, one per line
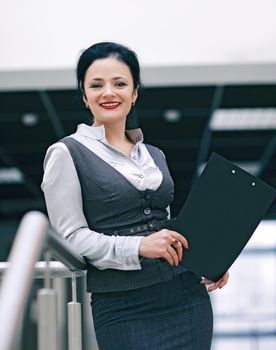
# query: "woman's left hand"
[215,285]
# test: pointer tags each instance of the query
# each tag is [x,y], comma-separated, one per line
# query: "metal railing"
[33,238]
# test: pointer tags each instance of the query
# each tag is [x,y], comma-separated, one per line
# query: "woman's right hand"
[165,244]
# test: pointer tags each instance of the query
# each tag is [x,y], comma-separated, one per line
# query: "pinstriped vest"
[110,203]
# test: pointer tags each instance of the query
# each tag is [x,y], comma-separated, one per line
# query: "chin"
[110,119]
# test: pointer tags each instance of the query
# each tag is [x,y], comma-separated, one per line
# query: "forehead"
[106,68]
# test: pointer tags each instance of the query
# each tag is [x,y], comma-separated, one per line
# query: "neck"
[115,133]
[115,136]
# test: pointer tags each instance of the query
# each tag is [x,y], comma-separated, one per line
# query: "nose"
[108,90]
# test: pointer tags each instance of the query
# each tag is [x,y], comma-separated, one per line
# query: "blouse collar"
[98,133]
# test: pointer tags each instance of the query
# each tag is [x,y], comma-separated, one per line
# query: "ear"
[84,99]
[135,95]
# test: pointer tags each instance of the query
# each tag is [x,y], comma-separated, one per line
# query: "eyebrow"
[100,79]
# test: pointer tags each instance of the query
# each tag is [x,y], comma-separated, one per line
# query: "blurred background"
[209,85]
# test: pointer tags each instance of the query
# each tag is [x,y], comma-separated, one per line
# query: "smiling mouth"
[110,105]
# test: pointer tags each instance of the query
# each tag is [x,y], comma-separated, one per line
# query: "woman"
[108,193]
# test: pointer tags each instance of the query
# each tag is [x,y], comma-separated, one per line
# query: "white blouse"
[63,198]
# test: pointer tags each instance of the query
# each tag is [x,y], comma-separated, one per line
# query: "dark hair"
[104,50]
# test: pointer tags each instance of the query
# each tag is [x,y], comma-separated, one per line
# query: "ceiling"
[187,142]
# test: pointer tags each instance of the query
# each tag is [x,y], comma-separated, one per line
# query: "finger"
[213,287]
[174,255]
[179,249]
[225,276]
[224,280]
[168,257]
[206,281]
[180,238]
[223,283]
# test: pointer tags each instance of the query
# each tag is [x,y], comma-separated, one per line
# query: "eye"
[120,84]
[96,86]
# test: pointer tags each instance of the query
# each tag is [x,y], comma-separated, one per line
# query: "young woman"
[107,192]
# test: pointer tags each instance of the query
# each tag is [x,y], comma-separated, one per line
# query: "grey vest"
[111,203]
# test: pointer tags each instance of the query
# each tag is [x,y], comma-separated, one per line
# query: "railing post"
[59,285]
[47,319]
[47,313]
[74,319]
[89,336]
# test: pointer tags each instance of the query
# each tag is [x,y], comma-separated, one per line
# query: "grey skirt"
[175,314]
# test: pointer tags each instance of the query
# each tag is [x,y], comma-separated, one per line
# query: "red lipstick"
[110,105]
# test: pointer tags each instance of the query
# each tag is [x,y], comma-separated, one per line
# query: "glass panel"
[245,309]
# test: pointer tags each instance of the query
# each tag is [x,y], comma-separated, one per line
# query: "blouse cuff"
[128,250]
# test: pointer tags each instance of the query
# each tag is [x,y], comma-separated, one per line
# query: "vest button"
[147,197]
[147,211]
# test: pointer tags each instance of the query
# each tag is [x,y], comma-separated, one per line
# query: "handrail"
[16,283]
[15,286]
[56,269]
[63,252]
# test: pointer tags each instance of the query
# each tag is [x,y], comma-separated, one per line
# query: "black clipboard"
[219,216]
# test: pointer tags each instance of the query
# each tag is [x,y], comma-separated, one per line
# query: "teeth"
[110,104]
